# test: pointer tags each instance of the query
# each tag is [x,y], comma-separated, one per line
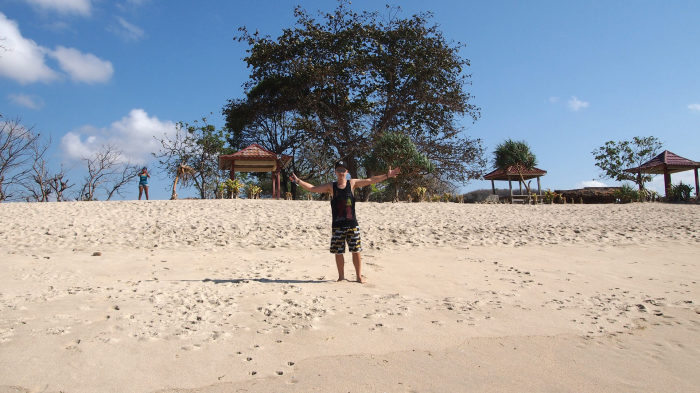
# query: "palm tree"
[185,174]
[515,154]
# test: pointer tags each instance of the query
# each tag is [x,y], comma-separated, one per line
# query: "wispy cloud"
[83,67]
[26,101]
[576,105]
[553,100]
[24,59]
[133,135]
[694,107]
[126,30]
[591,183]
[80,7]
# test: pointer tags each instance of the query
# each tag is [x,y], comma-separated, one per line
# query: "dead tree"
[16,143]
[106,171]
[38,181]
[59,186]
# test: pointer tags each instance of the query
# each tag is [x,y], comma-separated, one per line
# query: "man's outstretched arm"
[328,187]
[376,179]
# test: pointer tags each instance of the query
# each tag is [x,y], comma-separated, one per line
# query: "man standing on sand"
[345,227]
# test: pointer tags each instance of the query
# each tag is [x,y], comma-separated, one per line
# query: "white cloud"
[27,101]
[591,183]
[133,135]
[127,30]
[83,67]
[575,104]
[553,100]
[23,60]
[81,7]
[694,107]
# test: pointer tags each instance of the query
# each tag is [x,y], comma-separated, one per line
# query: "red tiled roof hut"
[256,158]
[511,173]
[668,163]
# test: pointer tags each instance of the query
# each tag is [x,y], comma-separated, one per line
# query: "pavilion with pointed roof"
[513,172]
[256,158]
[668,163]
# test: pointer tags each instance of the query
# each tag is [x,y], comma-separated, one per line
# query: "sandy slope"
[223,296]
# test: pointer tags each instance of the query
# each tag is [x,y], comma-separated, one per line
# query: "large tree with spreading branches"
[344,79]
[615,156]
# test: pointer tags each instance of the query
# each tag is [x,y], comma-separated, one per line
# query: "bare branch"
[16,143]
[38,181]
[107,172]
[128,172]
[59,185]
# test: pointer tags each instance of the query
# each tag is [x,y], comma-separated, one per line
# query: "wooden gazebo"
[256,158]
[513,172]
[667,163]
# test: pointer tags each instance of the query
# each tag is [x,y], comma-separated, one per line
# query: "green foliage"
[512,152]
[396,150]
[420,193]
[196,145]
[647,195]
[515,153]
[345,78]
[626,194]
[231,188]
[681,192]
[550,196]
[614,157]
[254,191]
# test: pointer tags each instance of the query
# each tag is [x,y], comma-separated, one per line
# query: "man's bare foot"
[361,280]
[341,279]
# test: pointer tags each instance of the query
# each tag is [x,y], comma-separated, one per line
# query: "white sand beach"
[241,296]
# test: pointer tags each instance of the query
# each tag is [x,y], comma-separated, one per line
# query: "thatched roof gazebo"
[513,172]
[256,158]
[667,163]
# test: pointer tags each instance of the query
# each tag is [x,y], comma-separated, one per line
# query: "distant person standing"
[345,228]
[143,182]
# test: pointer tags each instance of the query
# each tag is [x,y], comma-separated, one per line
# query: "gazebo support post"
[232,174]
[274,184]
[697,185]
[520,184]
[279,186]
[667,183]
[493,185]
[510,186]
[539,189]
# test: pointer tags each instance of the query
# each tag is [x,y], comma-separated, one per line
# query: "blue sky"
[565,76]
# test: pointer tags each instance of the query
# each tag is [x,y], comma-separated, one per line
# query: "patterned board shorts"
[342,235]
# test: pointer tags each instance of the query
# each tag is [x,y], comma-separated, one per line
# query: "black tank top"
[343,206]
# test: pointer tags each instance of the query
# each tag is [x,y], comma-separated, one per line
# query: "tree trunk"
[396,191]
[294,191]
[173,196]
[522,179]
[640,184]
